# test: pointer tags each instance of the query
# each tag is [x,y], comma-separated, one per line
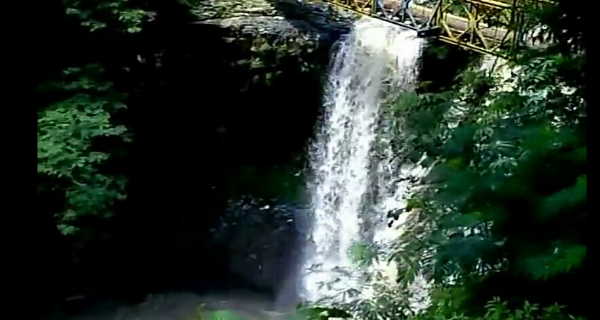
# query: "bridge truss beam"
[484,26]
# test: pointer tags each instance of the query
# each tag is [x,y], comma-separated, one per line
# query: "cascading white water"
[374,60]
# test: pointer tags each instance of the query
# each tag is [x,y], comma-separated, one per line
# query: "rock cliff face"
[262,240]
[285,18]
[273,36]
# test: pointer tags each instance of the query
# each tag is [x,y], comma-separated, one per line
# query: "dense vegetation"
[497,226]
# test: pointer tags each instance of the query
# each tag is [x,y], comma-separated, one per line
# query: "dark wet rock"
[263,240]
[281,17]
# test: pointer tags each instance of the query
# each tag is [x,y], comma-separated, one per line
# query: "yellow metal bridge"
[484,26]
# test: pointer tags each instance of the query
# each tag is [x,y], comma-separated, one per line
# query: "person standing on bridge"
[405,9]
[379,8]
[402,11]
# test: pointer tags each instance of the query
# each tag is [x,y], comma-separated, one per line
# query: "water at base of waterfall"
[374,62]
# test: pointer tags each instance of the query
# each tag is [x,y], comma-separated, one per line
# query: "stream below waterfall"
[186,306]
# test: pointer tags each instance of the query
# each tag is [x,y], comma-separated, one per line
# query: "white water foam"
[376,59]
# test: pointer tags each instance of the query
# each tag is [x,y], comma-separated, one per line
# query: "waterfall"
[352,186]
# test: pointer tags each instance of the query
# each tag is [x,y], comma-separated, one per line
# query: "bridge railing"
[485,26]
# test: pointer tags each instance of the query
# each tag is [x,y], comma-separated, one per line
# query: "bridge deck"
[484,26]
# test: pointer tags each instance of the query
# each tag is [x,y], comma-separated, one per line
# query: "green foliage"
[115,16]
[68,164]
[363,254]
[498,310]
[383,309]
[507,188]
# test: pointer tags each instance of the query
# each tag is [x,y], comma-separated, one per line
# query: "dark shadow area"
[436,74]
